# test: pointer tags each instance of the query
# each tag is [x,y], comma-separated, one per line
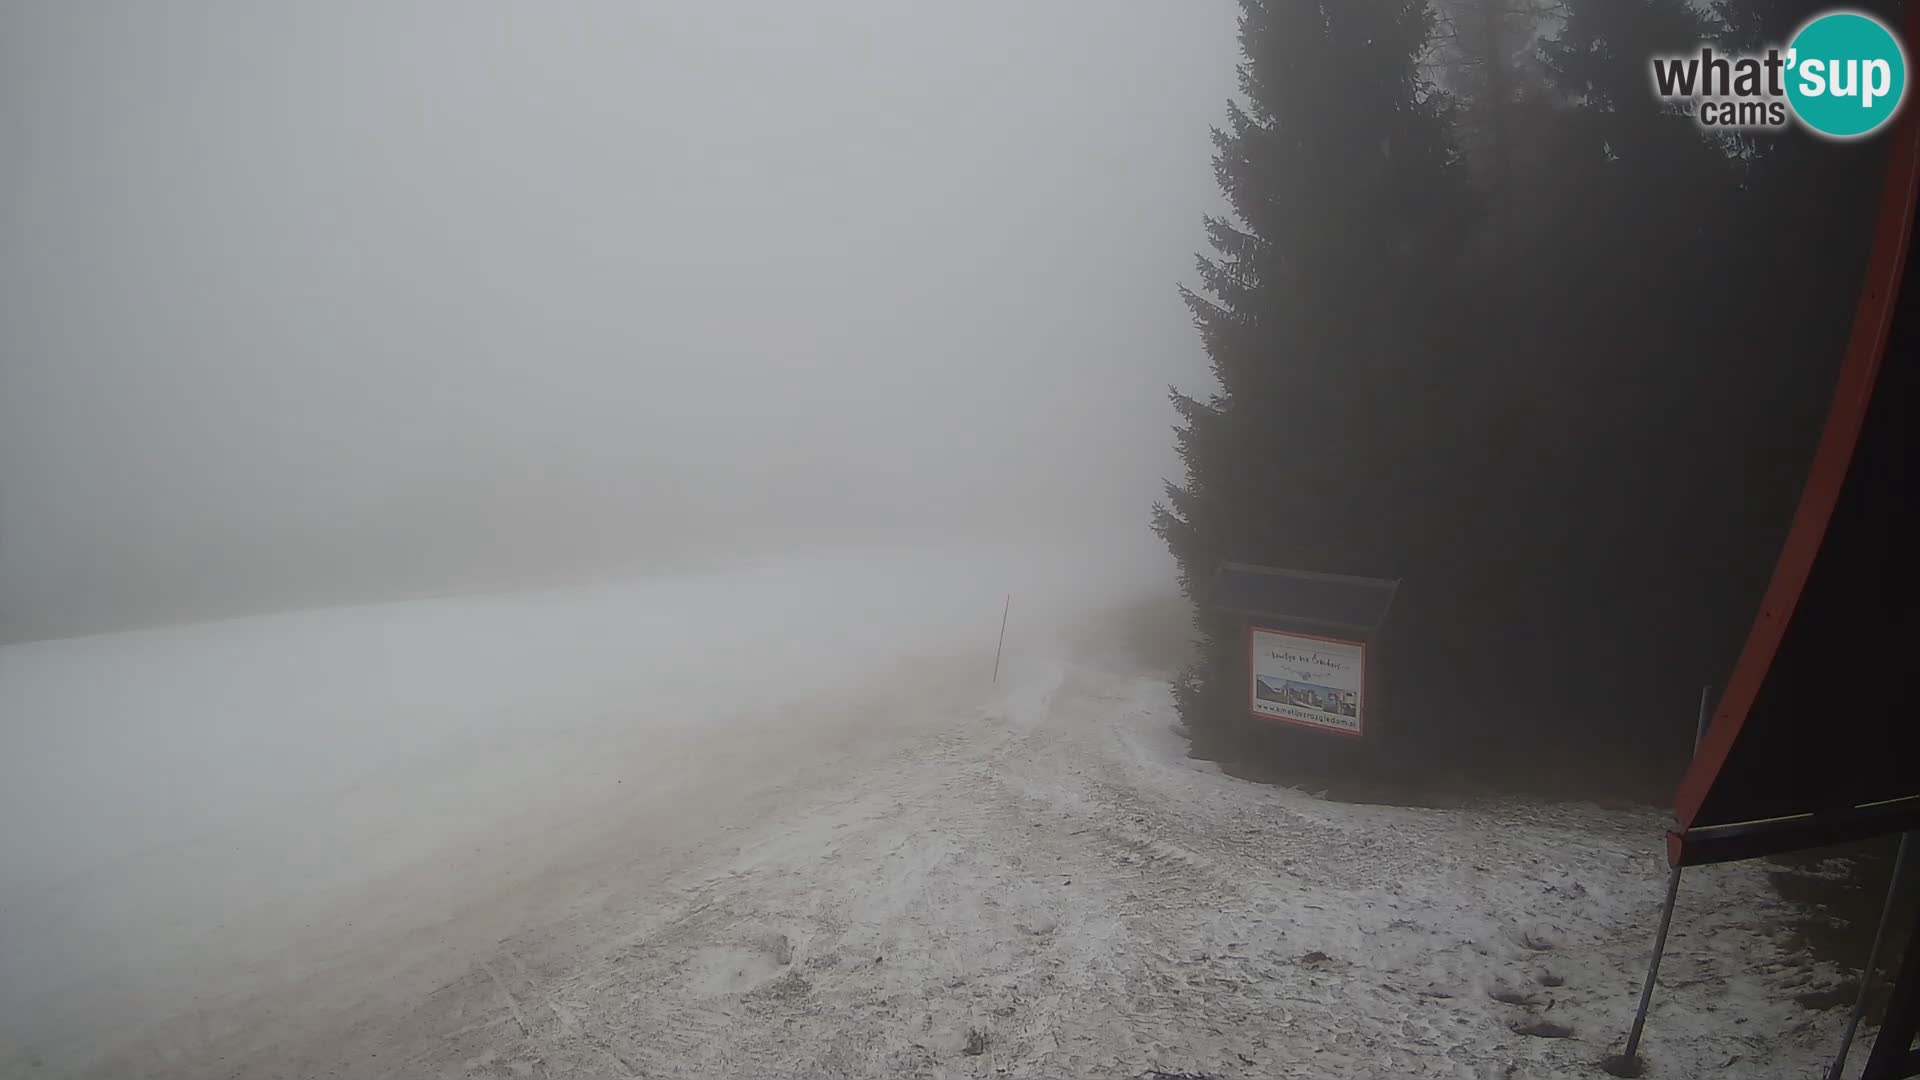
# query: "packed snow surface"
[781,820]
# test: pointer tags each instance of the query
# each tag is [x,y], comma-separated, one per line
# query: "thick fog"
[306,304]
[820,327]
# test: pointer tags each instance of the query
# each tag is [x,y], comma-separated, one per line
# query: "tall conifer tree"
[1323,291]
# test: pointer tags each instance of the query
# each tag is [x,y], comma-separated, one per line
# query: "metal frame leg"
[1653,968]
[1628,1062]
[1873,958]
[1893,1054]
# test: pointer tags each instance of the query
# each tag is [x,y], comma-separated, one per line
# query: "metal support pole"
[1653,967]
[1873,957]
[1628,1059]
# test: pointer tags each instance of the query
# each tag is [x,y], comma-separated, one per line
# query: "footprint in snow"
[1543,1029]
[1038,927]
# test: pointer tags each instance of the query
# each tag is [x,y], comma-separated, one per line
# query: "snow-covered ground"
[778,821]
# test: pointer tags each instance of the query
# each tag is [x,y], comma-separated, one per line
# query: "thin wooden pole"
[1008,606]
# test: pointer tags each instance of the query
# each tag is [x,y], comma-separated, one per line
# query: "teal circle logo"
[1846,74]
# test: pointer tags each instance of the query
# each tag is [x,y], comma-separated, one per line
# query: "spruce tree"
[1627,280]
[1686,379]
[1322,307]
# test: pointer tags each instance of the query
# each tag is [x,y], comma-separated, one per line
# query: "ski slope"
[776,820]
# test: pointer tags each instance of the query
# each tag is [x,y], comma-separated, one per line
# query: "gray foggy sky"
[317,301]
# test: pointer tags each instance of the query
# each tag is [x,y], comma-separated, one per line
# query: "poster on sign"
[1313,681]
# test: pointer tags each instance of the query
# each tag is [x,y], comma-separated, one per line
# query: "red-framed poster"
[1304,679]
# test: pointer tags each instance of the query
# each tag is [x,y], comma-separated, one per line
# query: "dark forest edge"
[1488,318]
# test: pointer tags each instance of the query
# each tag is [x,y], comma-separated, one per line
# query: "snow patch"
[626,832]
